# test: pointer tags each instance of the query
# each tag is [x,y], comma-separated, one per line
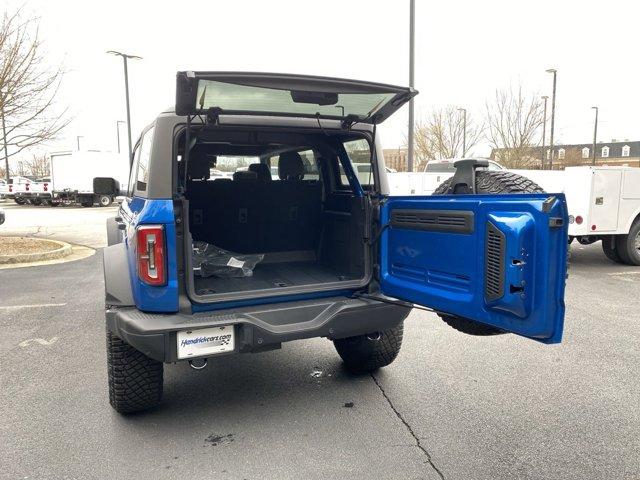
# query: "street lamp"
[553,113]
[412,29]
[118,122]
[544,128]
[125,57]
[595,134]
[464,131]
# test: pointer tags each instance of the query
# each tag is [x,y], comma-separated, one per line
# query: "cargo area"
[285,220]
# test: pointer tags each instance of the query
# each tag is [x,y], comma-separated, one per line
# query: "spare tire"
[493,182]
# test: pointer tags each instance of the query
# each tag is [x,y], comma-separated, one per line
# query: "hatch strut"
[391,301]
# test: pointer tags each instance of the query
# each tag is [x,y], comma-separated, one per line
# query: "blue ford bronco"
[247,223]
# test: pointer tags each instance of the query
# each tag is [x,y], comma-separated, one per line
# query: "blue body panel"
[140,211]
[445,270]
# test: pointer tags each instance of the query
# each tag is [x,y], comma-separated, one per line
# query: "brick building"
[395,158]
[613,153]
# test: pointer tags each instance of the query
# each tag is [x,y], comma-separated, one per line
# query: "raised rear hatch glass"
[287,95]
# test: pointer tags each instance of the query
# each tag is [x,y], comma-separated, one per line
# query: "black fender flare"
[117,282]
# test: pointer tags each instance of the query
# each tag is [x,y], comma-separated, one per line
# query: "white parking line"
[632,272]
[38,305]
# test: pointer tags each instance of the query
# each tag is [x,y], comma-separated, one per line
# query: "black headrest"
[290,166]
[261,170]
[199,163]
[244,175]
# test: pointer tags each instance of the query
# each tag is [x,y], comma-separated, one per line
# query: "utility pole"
[118,122]
[595,136]
[4,139]
[464,131]
[125,57]
[544,129]
[412,22]
[553,113]
[78,141]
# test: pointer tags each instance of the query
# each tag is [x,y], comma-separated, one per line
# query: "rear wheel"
[135,380]
[20,201]
[610,250]
[493,182]
[104,200]
[628,246]
[367,353]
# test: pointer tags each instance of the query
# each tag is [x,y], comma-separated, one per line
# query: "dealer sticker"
[205,341]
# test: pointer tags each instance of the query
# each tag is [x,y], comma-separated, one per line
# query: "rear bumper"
[257,328]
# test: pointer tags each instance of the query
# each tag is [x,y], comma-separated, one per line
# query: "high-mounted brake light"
[151,254]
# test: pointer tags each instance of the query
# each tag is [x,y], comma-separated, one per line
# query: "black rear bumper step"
[258,327]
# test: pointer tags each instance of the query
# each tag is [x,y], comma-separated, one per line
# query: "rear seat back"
[247,215]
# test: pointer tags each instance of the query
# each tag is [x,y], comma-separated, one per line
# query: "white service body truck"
[604,203]
[73,175]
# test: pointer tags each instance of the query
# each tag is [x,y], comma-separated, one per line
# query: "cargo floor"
[271,275]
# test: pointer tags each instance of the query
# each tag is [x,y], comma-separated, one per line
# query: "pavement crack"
[407,426]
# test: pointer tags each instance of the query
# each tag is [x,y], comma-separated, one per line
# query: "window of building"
[626,150]
[561,153]
[605,152]
[585,152]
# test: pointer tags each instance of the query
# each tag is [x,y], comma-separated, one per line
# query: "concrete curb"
[63,250]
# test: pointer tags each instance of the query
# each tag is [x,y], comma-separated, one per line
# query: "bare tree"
[38,165]
[514,121]
[28,88]
[440,135]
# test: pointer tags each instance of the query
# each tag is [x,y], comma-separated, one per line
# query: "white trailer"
[73,175]
[604,203]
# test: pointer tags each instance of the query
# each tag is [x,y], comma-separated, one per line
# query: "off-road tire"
[105,200]
[495,182]
[628,246]
[135,380]
[368,353]
[610,250]
[492,181]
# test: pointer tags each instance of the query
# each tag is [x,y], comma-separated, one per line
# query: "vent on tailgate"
[494,263]
[452,221]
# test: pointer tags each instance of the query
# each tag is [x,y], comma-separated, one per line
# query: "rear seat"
[248,215]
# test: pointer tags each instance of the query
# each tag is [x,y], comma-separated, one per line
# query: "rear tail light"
[579,220]
[26,187]
[151,254]
[10,188]
[46,187]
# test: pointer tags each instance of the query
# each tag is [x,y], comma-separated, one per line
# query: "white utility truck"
[74,176]
[604,202]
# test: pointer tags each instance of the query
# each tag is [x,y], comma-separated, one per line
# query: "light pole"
[118,122]
[553,113]
[595,135]
[412,22]
[544,129]
[3,97]
[464,131]
[78,137]
[125,57]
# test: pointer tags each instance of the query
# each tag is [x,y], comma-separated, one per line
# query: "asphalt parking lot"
[451,406]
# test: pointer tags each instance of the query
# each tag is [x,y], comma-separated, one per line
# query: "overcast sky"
[464,51]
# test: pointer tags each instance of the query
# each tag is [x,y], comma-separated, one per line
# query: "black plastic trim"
[449,221]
